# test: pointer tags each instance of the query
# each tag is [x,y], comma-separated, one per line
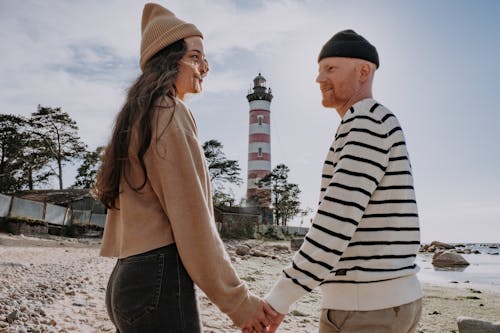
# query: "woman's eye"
[195,57]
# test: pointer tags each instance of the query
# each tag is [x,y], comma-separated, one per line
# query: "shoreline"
[56,284]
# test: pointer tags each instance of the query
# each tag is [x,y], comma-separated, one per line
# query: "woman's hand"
[262,318]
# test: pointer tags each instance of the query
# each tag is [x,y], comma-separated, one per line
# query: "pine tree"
[88,169]
[58,136]
[223,172]
[11,148]
[284,195]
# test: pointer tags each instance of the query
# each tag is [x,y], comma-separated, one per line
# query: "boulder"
[471,325]
[441,245]
[242,250]
[448,259]
[296,243]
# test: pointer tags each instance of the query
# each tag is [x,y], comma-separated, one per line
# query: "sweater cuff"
[245,310]
[283,294]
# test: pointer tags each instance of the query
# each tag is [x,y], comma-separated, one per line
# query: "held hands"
[275,323]
[265,320]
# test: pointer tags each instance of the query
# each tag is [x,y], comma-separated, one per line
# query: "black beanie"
[349,44]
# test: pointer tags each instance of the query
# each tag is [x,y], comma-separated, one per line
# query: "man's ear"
[365,72]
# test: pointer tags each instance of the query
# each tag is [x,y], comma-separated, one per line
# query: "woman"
[155,184]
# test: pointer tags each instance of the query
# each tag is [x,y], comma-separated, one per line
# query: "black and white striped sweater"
[362,245]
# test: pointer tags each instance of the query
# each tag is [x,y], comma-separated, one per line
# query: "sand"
[58,285]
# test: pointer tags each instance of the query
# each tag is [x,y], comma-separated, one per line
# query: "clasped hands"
[264,320]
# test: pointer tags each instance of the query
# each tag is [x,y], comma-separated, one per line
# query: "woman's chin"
[197,89]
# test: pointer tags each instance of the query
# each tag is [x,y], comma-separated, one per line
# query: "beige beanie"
[160,28]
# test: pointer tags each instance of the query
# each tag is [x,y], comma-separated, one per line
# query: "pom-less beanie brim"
[160,28]
[348,44]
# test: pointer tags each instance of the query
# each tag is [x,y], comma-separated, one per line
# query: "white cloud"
[82,55]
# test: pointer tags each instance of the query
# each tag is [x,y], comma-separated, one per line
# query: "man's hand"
[262,318]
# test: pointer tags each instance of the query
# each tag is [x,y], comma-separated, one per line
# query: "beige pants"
[399,319]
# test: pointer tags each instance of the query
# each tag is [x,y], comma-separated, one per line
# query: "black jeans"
[152,292]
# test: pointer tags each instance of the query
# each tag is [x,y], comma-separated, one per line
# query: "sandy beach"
[58,284]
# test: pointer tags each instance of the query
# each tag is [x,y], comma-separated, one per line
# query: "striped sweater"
[362,245]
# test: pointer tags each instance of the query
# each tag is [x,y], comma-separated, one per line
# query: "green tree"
[223,172]
[11,138]
[88,169]
[36,170]
[58,135]
[284,195]
[23,163]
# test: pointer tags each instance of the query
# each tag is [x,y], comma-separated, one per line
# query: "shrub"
[238,230]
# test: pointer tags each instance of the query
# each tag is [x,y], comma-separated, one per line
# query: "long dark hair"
[156,80]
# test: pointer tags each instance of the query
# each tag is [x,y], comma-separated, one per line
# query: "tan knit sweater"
[175,206]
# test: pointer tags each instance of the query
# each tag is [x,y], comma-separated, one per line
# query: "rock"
[441,245]
[13,316]
[296,243]
[242,250]
[471,325]
[40,311]
[447,259]
[257,253]
[281,247]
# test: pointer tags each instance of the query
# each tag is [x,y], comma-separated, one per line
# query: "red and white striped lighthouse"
[259,142]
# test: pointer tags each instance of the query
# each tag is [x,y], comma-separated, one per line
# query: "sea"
[482,273]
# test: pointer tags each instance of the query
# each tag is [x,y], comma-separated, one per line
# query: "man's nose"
[319,78]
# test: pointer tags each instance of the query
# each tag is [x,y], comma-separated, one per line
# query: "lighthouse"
[259,142]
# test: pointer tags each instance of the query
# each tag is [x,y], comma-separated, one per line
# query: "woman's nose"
[204,67]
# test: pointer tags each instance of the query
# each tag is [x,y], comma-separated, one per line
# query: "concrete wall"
[98,219]
[55,214]
[27,209]
[4,205]
[47,213]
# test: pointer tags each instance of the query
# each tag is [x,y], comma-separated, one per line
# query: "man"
[362,245]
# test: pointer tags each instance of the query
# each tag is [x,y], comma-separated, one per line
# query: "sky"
[439,70]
